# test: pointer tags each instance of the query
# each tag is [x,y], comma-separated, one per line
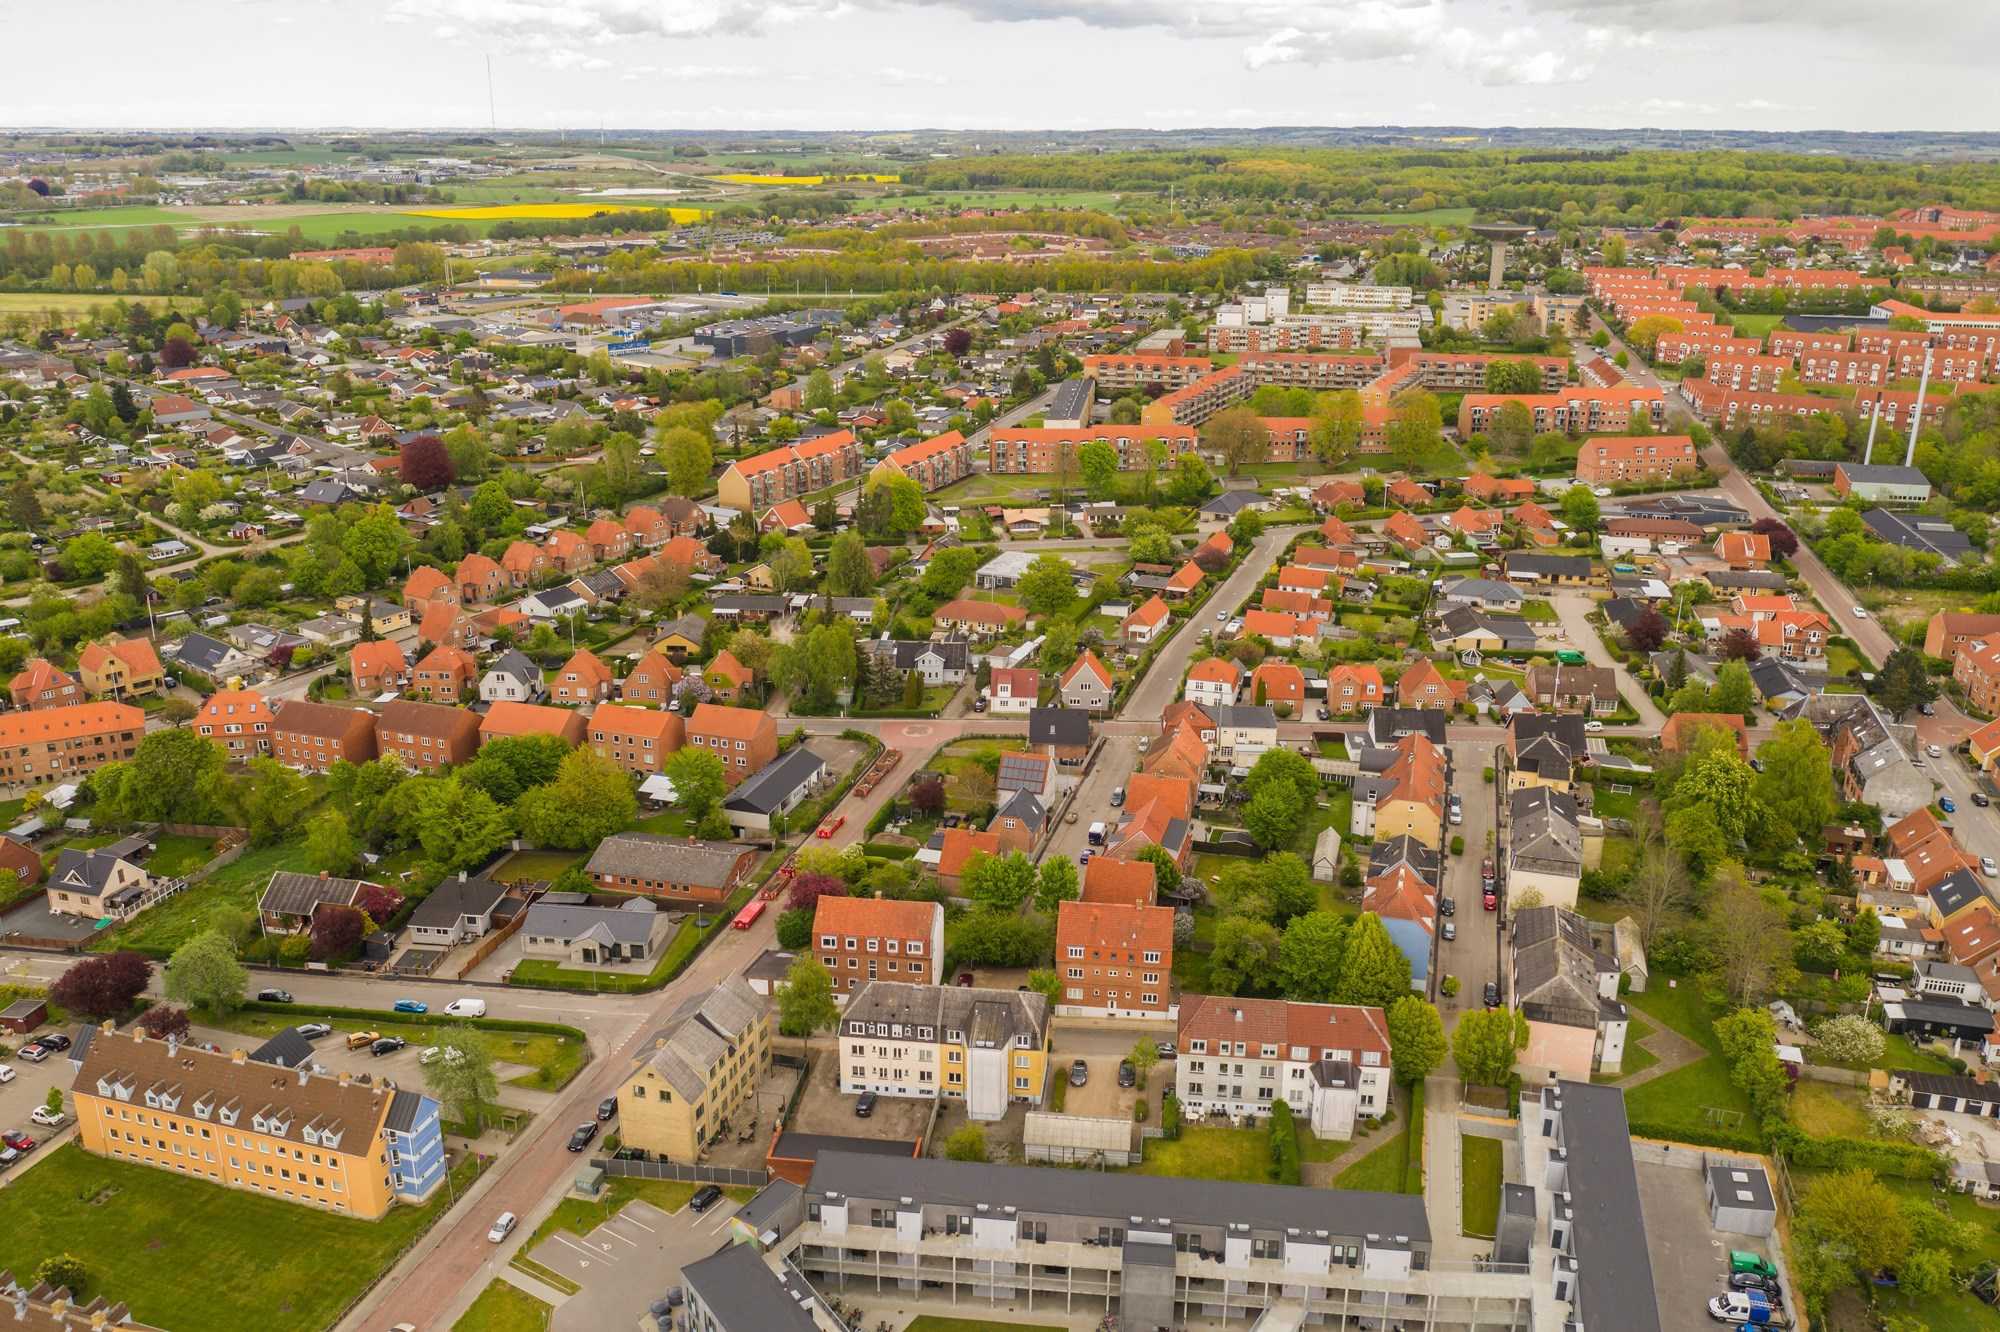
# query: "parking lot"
[824,1109]
[30,1088]
[629,1261]
[1690,1257]
[1101,1097]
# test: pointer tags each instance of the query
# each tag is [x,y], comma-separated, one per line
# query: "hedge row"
[1734,1140]
[414,1019]
[1413,1140]
[1904,1160]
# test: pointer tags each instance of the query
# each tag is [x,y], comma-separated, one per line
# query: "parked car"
[386,1046]
[412,1006]
[1165,1049]
[1934,751]
[1486,871]
[466,1008]
[607,1108]
[1447,907]
[1981,799]
[7,1071]
[979,704]
[46,1117]
[864,1105]
[1450,931]
[312,1031]
[503,1226]
[583,1136]
[1593,725]
[274,996]
[1490,900]
[1988,867]
[705,1197]
[1947,804]
[8,1156]
[1325,713]
[1742,1260]
[1128,1076]
[1860,612]
[1927,710]
[18,1140]
[1492,994]
[1079,1073]
[1753,1281]
[360,1040]
[1117,797]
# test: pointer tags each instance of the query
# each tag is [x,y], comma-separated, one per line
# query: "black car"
[1128,1076]
[1079,1073]
[865,1105]
[1493,994]
[1447,907]
[55,1042]
[274,996]
[705,1197]
[1981,799]
[584,1135]
[1754,1281]
[606,1108]
[387,1045]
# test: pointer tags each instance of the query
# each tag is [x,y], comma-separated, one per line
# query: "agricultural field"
[1434,217]
[78,303]
[1100,200]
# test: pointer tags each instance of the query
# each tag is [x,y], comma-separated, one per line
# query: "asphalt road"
[1474,956]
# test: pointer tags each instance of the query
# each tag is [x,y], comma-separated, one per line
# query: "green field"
[1381,1171]
[76,303]
[124,215]
[1433,217]
[1678,1102]
[188,1253]
[1479,1185]
[554,1059]
[502,1307]
[320,227]
[221,899]
[1097,199]
[1755,325]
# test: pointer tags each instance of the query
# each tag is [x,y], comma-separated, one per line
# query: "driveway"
[1113,769]
[1574,610]
[1101,1097]
[629,1261]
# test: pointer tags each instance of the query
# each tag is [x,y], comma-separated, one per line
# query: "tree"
[1374,972]
[792,565]
[1337,425]
[808,887]
[1580,508]
[948,572]
[1784,541]
[806,1003]
[1416,1039]
[1513,426]
[1512,376]
[164,1020]
[1238,436]
[1310,956]
[819,393]
[1046,983]
[967,1144]
[1850,1039]
[1796,784]
[103,986]
[1189,482]
[461,1076]
[510,765]
[1282,767]
[1055,884]
[425,463]
[999,883]
[1098,463]
[688,457]
[1903,682]
[269,799]
[1274,815]
[1046,588]
[848,571]
[64,1270]
[458,825]
[1484,1045]
[590,799]
[1852,1226]
[337,932]
[378,902]
[1145,1053]
[1244,949]
[1657,892]
[1646,332]
[1416,429]
[904,511]
[1739,645]
[1749,941]
[698,779]
[204,973]
[91,555]
[1648,630]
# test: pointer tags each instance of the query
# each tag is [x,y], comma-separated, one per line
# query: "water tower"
[1500,233]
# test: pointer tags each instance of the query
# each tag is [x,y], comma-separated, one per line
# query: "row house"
[376,668]
[637,739]
[428,737]
[58,744]
[1976,668]
[238,720]
[931,463]
[43,684]
[1843,368]
[312,737]
[757,483]
[608,540]
[444,675]
[1762,374]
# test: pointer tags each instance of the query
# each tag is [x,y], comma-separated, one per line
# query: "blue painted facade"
[416,1149]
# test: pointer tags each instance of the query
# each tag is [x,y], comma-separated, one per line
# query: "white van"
[468,1008]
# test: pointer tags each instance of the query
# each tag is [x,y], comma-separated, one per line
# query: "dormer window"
[259,1123]
[230,1114]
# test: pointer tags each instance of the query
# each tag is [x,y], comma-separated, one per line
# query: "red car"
[832,825]
[19,1141]
[1491,900]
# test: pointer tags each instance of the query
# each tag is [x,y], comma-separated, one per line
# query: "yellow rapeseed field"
[564,211]
[747,179]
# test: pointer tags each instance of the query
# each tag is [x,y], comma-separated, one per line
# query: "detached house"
[1011,691]
[512,679]
[1087,685]
[582,679]
[238,720]
[120,669]
[1214,682]
[376,668]
[444,674]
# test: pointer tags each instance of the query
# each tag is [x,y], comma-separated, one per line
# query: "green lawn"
[1479,1185]
[1637,1057]
[542,865]
[1754,325]
[1211,1153]
[176,857]
[1824,1110]
[1679,1101]
[1429,217]
[504,1307]
[554,1059]
[223,898]
[1842,660]
[541,971]
[1609,804]
[1381,1171]
[157,1241]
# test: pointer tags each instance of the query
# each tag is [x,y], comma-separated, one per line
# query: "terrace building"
[788,472]
[865,939]
[988,1048]
[1329,1062]
[57,744]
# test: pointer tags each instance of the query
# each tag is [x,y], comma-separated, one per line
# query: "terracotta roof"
[1153,612]
[1217,670]
[432,719]
[1175,793]
[734,723]
[967,611]
[1109,879]
[505,717]
[875,917]
[730,669]
[300,717]
[374,658]
[233,705]
[425,582]
[1315,1027]
[589,669]
[643,723]
[40,674]
[929,448]
[22,728]
[1088,661]
[1110,925]
[959,846]
[822,447]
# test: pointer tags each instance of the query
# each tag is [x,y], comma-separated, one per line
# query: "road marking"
[615,1235]
[723,1222]
[627,1216]
[588,1254]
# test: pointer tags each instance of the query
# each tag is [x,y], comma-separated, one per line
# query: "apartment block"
[789,471]
[57,744]
[930,463]
[1760,374]
[427,736]
[312,737]
[864,939]
[1329,1062]
[1115,960]
[237,719]
[988,1048]
[1045,449]
[743,738]
[1609,460]
[1116,375]
[636,739]
[704,1068]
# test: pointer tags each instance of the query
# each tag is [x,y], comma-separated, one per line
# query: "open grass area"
[1211,1153]
[1754,325]
[1824,1110]
[552,1059]
[1637,1057]
[1480,1167]
[1843,660]
[503,1307]
[189,1253]
[223,898]
[1429,217]
[1609,804]
[175,856]
[73,303]
[532,865]
[1682,1101]
[1381,1171]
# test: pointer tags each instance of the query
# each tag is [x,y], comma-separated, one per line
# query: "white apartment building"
[988,1048]
[1329,1062]
[1356,296]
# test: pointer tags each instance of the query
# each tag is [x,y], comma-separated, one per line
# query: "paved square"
[629,1261]
[1690,1257]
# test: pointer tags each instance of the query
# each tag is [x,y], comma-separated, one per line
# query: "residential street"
[1574,608]
[1474,957]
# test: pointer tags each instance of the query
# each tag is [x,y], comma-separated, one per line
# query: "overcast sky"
[1003,64]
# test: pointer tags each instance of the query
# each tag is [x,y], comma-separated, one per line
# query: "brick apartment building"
[743,738]
[638,740]
[43,684]
[1609,460]
[789,471]
[57,744]
[1039,449]
[1977,670]
[862,939]
[1115,960]
[428,736]
[237,719]
[312,737]
[930,463]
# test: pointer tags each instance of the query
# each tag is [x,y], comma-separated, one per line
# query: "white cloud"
[904,77]
[564,57]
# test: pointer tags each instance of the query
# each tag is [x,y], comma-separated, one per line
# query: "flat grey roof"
[1741,1186]
[1614,1271]
[1203,1202]
[743,1295]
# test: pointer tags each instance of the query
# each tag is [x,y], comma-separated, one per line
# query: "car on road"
[1934,751]
[7,1071]
[1079,1073]
[1981,799]
[1117,797]
[1492,994]
[1128,1076]
[1490,900]
[1450,931]
[1593,725]
[864,1105]
[1860,612]
[274,996]
[607,1108]
[1927,710]
[46,1117]
[583,1136]
[412,1006]
[312,1031]
[1447,907]
[1457,810]
[831,826]
[386,1046]
[503,1226]
[1222,616]
[705,1197]
[466,1008]
[18,1140]
[1486,871]
[1947,804]
[1083,857]
[1988,866]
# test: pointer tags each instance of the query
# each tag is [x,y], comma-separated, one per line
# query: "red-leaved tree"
[425,464]
[102,987]
[176,355]
[164,1020]
[1739,645]
[958,341]
[379,901]
[927,794]
[1647,632]
[337,932]
[1784,541]
[807,889]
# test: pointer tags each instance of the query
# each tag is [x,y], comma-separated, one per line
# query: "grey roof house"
[458,910]
[512,679]
[778,787]
[592,936]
